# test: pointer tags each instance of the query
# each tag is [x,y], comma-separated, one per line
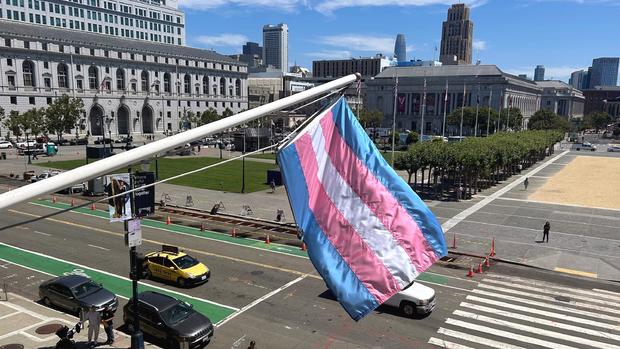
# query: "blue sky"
[562,35]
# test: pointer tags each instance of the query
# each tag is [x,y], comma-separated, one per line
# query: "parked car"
[75,293]
[414,299]
[170,264]
[25,145]
[6,145]
[79,141]
[584,146]
[128,139]
[103,141]
[44,175]
[168,319]
[613,147]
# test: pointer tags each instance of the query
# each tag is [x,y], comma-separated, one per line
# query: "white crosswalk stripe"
[506,312]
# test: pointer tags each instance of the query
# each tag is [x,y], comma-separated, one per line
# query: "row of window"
[62,74]
[157,59]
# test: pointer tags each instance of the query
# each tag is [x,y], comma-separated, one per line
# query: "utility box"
[275,176]
[96,186]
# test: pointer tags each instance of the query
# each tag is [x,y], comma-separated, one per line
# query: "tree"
[412,137]
[62,115]
[598,120]
[513,117]
[227,112]
[2,116]
[208,116]
[33,121]
[545,119]
[371,119]
[190,119]
[13,123]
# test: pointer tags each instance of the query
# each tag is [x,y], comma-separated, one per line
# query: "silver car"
[75,292]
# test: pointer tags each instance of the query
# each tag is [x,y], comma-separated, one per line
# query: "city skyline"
[316,33]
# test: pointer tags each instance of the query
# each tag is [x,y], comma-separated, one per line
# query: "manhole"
[12,346]
[48,329]
[562,299]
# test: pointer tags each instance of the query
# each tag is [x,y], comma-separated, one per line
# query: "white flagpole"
[445,111]
[394,114]
[462,111]
[423,111]
[122,160]
[489,115]
[477,110]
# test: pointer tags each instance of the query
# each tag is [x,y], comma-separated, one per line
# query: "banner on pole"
[119,207]
[144,199]
[402,99]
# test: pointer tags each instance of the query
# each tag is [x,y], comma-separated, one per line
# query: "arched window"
[28,69]
[214,86]
[144,78]
[167,82]
[238,88]
[205,85]
[93,77]
[187,82]
[120,79]
[230,88]
[222,86]
[61,71]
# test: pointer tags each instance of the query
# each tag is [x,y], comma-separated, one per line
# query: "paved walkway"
[33,325]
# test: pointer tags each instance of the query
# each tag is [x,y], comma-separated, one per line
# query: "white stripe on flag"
[479,340]
[509,335]
[544,322]
[360,217]
[548,298]
[445,344]
[544,313]
[534,330]
[547,305]
[540,289]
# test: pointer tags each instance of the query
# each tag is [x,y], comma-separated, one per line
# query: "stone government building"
[129,87]
[481,81]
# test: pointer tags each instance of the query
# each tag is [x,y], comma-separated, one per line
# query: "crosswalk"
[507,312]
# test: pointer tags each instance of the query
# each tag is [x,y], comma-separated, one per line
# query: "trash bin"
[3,156]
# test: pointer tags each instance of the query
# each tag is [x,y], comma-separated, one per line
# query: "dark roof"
[112,42]
[157,300]
[71,281]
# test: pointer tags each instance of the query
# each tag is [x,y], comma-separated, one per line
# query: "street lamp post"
[28,148]
[243,166]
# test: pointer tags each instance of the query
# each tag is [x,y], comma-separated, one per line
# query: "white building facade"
[147,20]
[128,87]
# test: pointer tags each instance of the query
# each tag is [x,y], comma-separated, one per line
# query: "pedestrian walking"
[526,182]
[459,193]
[546,229]
[106,319]
[94,321]
[273,186]
[252,345]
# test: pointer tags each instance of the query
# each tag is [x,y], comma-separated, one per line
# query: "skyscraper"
[604,72]
[578,79]
[539,73]
[275,46]
[400,48]
[253,48]
[457,36]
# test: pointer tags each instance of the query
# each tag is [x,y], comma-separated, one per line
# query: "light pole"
[28,147]
[489,115]
[423,111]
[243,166]
[445,111]
[394,115]
[462,112]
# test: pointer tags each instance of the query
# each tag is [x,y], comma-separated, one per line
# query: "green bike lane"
[430,277]
[119,285]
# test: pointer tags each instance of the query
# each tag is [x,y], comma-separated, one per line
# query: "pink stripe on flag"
[361,259]
[382,203]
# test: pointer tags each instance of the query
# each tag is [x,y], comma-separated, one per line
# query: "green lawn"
[269,156]
[226,177]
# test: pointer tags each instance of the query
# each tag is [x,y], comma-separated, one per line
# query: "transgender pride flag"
[368,234]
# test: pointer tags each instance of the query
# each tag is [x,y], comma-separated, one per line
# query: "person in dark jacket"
[106,319]
[546,229]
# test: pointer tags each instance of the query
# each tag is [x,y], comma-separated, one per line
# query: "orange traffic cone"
[233,233]
[304,247]
[72,202]
[479,271]
[54,198]
[267,239]
[470,273]
[488,264]
[93,207]
[168,220]
[202,226]
[492,254]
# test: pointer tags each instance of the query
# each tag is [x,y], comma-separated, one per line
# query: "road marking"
[41,233]
[543,313]
[548,291]
[535,320]
[610,295]
[99,247]
[479,340]
[257,301]
[576,272]
[548,298]
[445,344]
[549,306]
[534,330]
[606,291]
[560,204]
[506,334]
[473,209]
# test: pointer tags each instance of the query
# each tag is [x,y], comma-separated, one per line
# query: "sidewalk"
[32,325]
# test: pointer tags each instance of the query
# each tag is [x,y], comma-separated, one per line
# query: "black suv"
[170,320]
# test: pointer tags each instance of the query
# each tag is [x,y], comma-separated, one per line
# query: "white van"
[414,299]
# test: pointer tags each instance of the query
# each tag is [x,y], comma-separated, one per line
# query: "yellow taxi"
[177,266]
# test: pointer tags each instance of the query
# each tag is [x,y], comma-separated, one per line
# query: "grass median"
[226,177]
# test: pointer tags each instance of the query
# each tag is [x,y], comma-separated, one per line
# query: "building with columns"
[562,99]
[484,83]
[128,87]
